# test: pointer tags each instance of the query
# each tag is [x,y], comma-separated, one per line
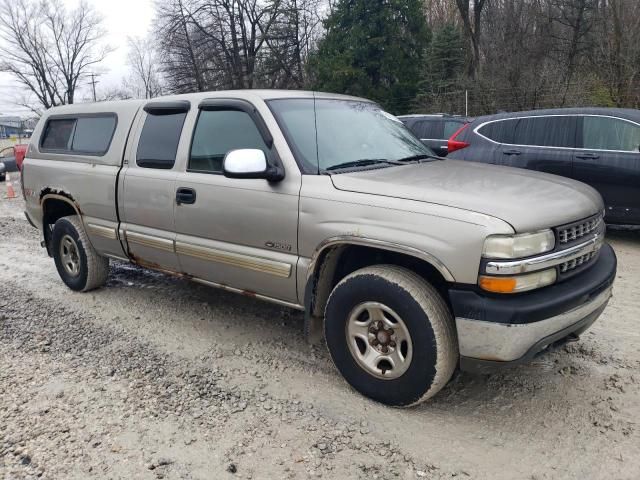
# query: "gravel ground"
[156,377]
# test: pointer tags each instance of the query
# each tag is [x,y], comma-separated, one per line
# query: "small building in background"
[14,126]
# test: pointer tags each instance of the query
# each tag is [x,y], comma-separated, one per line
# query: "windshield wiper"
[422,156]
[365,162]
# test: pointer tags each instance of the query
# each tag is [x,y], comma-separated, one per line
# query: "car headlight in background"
[518,246]
[517,283]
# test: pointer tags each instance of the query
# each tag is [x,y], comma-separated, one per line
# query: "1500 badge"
[279,246]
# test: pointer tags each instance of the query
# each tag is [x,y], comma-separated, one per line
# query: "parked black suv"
[598,146]
[434,130]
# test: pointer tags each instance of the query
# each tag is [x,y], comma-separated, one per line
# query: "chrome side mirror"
[249,163]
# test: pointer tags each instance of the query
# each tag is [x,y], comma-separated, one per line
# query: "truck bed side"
[62,182]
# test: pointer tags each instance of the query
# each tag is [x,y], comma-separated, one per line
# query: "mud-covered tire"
[81,272]
[424,316]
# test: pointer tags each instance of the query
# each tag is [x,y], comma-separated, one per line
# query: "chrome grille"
[576,231]
[576,262]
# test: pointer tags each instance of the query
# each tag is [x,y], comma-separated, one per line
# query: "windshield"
[355,134]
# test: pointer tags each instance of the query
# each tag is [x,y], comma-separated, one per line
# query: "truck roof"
[248,94]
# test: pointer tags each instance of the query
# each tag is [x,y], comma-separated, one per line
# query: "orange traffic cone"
[11,193]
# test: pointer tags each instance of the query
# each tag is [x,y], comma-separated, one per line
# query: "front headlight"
[518,246]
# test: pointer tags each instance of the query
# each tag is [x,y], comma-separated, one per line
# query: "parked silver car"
[410,265]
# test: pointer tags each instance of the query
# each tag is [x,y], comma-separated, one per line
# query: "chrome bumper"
[500,342]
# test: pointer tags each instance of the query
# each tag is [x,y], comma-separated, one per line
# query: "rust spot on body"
[59,193]
[154,266]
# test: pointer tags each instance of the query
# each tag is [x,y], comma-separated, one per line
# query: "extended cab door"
[147,196]
[543,143]
[609,160]
[240,233]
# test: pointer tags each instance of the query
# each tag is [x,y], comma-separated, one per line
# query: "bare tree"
[108,94]
[236,32]
[574,21]
[471,13]
[183,51]
[49,49]
[213,44]
[144,80]
[616,56]
[293,38]
[442,12]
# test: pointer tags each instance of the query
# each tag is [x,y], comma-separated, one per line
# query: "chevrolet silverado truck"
[411,266]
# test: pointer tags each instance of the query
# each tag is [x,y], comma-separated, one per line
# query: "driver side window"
[218,132]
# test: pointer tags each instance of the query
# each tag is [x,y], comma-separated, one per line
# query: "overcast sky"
[122,18]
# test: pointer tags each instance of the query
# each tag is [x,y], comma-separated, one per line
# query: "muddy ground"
[156,377]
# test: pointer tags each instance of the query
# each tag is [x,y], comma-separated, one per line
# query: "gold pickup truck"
[410,265]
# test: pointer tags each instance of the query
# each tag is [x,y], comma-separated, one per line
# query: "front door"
[609,161]
[240,233]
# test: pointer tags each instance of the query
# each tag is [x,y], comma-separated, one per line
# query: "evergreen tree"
[445,59]
[373,49]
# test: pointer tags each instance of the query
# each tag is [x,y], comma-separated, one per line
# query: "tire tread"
[97,265]
[437,310]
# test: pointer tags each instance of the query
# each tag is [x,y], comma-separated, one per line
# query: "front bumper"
[499,330]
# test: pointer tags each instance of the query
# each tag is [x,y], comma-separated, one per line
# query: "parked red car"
[13,156]
[20,151]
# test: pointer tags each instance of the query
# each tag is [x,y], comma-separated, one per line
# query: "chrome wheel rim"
[69,256]
[379,340]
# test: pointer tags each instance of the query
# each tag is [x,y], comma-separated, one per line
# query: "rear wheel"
[391,335]
[78,264]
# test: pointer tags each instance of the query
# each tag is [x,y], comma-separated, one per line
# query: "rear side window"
[93,134]
[545,132]
[428,129]
[84,135]
[500,131]
[57,134]
[605,133]
[158,144]
[218,132]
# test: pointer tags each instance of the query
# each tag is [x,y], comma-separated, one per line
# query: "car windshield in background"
[347,133]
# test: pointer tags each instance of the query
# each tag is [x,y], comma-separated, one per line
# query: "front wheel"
[78,264]
[391,335]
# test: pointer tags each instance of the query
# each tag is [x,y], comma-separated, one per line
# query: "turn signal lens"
[518,283]
[498,284]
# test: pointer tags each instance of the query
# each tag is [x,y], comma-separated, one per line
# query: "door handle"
[588,156]
[185,195]
[512,152]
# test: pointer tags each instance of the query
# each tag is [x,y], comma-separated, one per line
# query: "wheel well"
[337,262]
[52,210]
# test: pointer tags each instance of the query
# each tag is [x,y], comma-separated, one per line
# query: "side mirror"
[250,163]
